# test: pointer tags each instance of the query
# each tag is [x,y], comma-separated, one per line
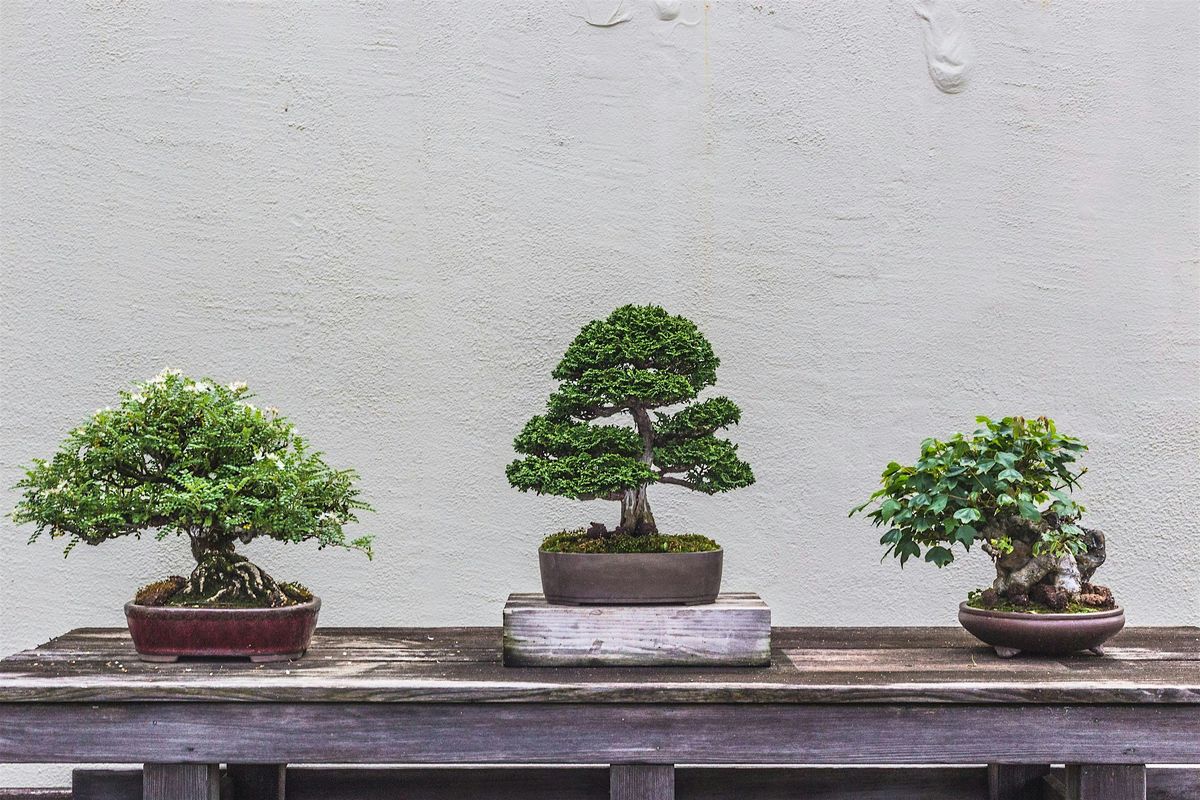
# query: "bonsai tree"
[637,361]
[193,458]
[1007,487]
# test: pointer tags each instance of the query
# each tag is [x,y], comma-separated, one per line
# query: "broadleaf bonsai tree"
[1006,487]
[195,458]
[635,364]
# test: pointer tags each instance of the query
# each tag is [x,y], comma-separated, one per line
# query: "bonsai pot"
[631,578]
[164,633]
[1047,634]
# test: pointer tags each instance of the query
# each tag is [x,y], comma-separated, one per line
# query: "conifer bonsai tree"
[631,366]
[1007,488]
[179,456]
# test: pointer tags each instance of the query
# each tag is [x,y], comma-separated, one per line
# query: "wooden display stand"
[735,631]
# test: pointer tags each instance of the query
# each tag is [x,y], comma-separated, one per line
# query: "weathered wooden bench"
[832,696]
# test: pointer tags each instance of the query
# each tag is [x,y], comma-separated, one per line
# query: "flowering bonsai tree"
[1007,487]
[180,456]
[637,361]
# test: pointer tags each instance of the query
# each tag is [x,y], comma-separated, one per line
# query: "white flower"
[137,397]
[276,459]
[238,386]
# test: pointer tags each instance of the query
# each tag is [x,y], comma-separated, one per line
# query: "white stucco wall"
[391,219]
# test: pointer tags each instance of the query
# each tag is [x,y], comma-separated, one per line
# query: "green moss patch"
[974,601]
[578,541]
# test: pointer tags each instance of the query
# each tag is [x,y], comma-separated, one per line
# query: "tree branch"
[677,482]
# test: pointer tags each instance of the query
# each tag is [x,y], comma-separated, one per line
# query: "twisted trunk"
[636,518]
[222,577]
[1054,580]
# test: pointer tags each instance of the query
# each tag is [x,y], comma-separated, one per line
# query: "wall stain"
[947,51]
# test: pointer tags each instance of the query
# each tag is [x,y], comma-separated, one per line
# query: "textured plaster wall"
[391,219]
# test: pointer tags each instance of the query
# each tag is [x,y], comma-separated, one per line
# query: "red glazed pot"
[164,633]
[1047,634]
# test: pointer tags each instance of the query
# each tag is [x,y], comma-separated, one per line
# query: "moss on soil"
[974,601]
[578,541]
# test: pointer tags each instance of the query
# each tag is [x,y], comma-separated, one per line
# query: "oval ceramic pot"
[1047,634]
[631,578]
[164,633]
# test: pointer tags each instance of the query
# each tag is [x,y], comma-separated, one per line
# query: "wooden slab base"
[733,631]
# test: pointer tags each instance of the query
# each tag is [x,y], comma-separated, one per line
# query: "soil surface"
[1045,599]
[585,541]
[167,593]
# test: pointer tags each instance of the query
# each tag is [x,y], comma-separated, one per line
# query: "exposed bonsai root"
[1049,579]
[226,578]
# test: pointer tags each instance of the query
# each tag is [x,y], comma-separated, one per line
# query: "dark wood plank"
[106,784]
[522,733]
[181,782]
[641,782]
[1106,782]
[934,665]
[591,783]
[1016,781]
[36,793]
[257,781]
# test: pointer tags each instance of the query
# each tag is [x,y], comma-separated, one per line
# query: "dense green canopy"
[637,361]
[194,457]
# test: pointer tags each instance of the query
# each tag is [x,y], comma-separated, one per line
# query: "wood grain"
[558,733]
[1106,782]
[180,782]
[809,665]
[733,631]
[641,782]
[1016,781]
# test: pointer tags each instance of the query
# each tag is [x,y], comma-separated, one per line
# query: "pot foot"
[1098,650]
[1006,652]
[273,657]
[157,659]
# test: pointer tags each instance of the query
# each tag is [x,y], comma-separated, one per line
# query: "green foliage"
[960,489]
[637,360]
[578,541]
[190,457]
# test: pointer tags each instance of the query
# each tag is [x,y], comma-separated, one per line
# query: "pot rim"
[137,608]
[1031,615]
[660,553]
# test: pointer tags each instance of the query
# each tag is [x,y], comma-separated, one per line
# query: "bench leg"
[1106,782]
[641,782]
[181,782]
[257,781]
[1016,781]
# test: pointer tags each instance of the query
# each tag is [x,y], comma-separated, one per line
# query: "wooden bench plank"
[525,733]
[912,665]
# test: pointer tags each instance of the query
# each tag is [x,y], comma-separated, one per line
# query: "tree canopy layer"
[638,360]
[190,457]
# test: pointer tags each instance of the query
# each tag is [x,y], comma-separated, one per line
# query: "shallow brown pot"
[164,633]
[631,578]
[1047,634]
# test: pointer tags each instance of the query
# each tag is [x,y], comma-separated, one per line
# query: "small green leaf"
[1029,511]
[968,515]
[939,555]
[888,509]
